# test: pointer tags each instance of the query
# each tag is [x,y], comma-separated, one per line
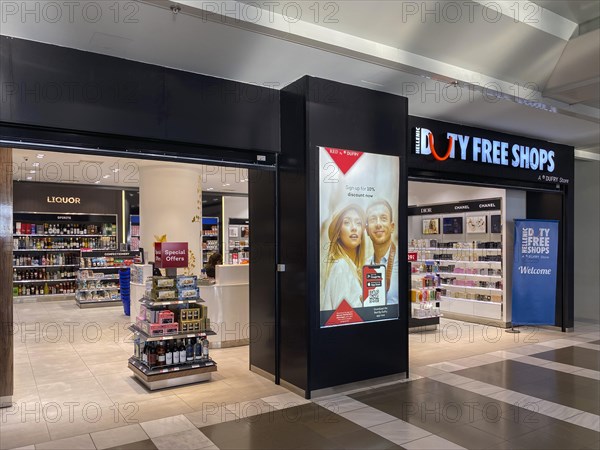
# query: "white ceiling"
[380,45]
[54,167]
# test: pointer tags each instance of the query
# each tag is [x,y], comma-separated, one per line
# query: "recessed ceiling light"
[243,181]
[30,178]
[226,184]
[210,189]
[32,171]
[40,155]
[96,182]
[36,164]
[115,170]
[106,176]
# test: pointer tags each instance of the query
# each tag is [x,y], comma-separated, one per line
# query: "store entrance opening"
[461,241]
[69,257]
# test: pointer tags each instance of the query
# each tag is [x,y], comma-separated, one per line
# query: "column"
[6,268]
[171,205]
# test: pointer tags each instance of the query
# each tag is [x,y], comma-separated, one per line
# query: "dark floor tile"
[363,439]
[140,445]
[470,437]
[574,356]
[544,438]
[583,436]
[505,428]
[506,374]
[594,342]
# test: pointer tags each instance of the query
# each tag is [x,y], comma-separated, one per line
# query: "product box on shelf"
[157,329]
[166,317]
[163,294]
[190,293]
[163,283]
[190,314]
[186,281]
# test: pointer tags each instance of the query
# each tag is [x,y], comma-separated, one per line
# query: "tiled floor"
[470,387]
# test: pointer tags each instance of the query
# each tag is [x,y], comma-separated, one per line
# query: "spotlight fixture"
[175,9]
[40,155]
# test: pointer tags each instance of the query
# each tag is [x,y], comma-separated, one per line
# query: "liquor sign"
[534,272]
[412,256]
[358,200]
[169,255]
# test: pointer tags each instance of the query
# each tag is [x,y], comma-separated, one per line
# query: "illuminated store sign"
[481,150]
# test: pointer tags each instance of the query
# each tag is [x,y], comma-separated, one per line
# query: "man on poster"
[380,228]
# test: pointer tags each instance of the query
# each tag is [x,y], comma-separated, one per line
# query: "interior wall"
[587,237]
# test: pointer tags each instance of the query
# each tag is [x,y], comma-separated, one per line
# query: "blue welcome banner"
[534,272]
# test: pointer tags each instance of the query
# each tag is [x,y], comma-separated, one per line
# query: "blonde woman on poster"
[345,259]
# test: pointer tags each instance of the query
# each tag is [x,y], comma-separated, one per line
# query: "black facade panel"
[293,205]
[353,118]
[261,198]
[65,89]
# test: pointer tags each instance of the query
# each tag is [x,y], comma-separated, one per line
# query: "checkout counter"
[228,302]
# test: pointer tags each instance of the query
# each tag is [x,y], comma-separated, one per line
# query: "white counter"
[229,313]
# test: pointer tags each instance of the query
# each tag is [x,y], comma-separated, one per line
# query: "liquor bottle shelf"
[147,337]
[43,281]
[65,235]
[74,250]
[141,366]
[45,266]
[94,303]
[99,268]
[18,297]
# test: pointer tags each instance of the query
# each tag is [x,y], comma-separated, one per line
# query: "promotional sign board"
[169,255]
[534,272]
[358,200]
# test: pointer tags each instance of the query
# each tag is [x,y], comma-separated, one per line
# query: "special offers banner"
[534,272]
[358,200]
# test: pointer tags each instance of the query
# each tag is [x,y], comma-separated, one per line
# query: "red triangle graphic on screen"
[343,314]
[344,159]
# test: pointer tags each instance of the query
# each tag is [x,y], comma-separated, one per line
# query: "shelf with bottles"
[22,275]
[43,288]
[141,365]
[59,259]
[169,354]
[64,243]
[54,226]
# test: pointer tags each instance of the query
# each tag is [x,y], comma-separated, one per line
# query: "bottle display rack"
[170,335]
[46,251]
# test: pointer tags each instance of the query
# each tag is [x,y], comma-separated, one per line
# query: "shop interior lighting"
[106,176]
[40,155]
[36,164]
[30,178]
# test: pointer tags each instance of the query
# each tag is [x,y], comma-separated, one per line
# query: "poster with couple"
[358,201]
